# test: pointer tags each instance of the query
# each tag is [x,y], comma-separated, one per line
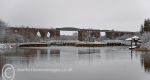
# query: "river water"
[71,63]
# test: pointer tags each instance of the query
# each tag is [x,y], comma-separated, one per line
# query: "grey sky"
[100,14]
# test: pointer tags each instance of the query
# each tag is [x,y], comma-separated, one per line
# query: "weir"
[74,43]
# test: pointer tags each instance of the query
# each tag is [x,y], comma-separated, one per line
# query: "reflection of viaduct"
[30,34]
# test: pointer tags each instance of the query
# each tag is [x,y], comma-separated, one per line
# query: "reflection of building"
[145,60]
[89,55]
[88,51]
[55,51]
[55,55]
[48,55]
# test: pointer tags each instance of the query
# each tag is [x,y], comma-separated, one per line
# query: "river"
[72,63]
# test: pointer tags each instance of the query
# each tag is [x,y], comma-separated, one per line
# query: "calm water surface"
[71,63]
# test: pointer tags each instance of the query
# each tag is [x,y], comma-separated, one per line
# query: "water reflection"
[89,55]
[2,62]
[109,63]
[88,51]
[27,57]
[145,60]
[55,55]
[117,53]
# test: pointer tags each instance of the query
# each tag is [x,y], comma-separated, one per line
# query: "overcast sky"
[99,14]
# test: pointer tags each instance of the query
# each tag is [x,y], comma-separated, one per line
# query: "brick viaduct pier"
[30,34]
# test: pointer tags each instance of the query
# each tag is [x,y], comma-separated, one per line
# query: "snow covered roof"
[135,37]
[129,39]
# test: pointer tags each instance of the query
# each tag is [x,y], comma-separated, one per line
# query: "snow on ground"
[5,46]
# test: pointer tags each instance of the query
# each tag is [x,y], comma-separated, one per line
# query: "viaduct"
[30,34]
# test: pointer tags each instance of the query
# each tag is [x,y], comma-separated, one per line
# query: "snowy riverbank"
[6,46]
